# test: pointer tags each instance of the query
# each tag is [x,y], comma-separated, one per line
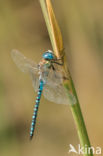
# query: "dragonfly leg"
[53,67]
[61,64]
[59,59]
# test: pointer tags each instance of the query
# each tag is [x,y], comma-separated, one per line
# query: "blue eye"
[48,55]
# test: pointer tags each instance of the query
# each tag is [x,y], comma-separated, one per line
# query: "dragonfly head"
[48,55]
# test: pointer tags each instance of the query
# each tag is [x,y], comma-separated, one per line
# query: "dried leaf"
[55,30]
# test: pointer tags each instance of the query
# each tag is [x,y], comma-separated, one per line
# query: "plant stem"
[80,124]
[56,41]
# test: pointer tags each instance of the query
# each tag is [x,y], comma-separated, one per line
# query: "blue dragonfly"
[47,78]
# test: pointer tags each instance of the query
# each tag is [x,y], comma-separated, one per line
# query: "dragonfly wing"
[54,77]
[35,80]
[57,94]
[54,90]
[24,64]
[27,66]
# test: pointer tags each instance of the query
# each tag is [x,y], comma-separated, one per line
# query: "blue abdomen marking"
[33,123]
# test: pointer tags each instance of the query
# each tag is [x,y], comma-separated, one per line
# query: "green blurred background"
[22,27]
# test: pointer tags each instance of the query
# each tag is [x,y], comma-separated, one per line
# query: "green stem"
[76,110]
[79,121]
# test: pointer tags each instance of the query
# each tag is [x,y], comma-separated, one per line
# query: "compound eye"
[48,55]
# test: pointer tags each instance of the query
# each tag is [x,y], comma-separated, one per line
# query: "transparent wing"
[27,66]
[24,64]
[35,79]
[54,90]
[58,95]
[55,77]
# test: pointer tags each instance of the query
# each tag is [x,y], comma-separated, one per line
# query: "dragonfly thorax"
[47,64]
[44,64]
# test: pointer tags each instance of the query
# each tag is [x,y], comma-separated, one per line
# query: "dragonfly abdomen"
[33,123]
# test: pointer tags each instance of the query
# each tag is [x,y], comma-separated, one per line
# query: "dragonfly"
[47,77]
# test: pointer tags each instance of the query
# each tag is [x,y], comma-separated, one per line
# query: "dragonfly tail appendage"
[33,123]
